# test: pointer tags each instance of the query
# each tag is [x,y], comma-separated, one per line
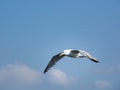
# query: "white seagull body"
[69,53]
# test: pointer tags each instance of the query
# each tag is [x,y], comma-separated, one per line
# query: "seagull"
[70,53]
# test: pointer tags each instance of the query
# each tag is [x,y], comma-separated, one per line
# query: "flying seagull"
[70,53]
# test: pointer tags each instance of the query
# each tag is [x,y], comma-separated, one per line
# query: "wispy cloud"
[102,84]
[118,67]
[107,69]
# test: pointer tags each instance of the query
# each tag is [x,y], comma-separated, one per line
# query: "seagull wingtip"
[97,61]
[44,71]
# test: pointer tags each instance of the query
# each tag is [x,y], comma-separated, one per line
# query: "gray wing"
[86,54]
[52,62]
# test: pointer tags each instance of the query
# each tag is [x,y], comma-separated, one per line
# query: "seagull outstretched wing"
[52,62]
[86,54]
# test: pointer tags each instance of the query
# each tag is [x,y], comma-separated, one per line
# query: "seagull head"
[66,52]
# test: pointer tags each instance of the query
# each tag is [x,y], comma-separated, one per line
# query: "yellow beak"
[61,54]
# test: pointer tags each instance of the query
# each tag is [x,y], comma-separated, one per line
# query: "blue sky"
[32,31]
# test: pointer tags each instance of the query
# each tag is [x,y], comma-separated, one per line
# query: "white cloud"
[102,84]
[19,74]
[58,77]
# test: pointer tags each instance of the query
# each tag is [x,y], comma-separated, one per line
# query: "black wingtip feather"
[95,61]
[45,71]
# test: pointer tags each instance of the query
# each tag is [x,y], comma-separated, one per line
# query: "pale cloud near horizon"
[60,77]
[21,75]
[107,78]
